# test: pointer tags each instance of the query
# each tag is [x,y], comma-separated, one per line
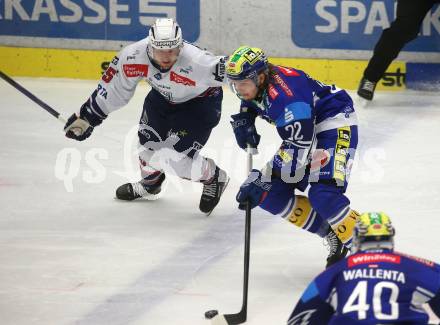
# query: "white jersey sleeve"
[194,72]
[211,67]
[118,83]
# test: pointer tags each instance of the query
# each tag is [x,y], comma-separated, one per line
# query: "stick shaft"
[31,96]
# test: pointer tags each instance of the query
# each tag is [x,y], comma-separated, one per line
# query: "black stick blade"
[239,318]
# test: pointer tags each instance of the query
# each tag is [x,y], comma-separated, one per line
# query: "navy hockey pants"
[191,121]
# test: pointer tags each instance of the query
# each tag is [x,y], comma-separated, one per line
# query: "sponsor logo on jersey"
[288,116]
[219,73]
[285,156]
[273,93]
[158,76]
[101,91]
[368,258]
[320,159]
[135,70]
[283,85]
[419,259]
[181,79]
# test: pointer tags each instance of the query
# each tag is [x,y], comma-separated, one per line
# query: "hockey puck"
[211,314]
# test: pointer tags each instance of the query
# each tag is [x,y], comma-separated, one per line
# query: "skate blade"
[150,197]
[224,188]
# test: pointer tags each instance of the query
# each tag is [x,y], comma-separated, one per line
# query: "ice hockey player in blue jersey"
[375,285]
[318,129]
[179,113]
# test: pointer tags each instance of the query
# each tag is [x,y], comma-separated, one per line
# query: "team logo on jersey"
[181,79]
[135,70]
[158,76]
[372,258]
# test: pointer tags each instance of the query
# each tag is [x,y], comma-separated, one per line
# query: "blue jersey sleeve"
[329,100]
[311,308]
[316,303]
[434,302]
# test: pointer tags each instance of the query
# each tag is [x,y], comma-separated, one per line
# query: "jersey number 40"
[357,302]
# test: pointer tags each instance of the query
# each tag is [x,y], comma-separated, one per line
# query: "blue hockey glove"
[81,127]
[243,125]
[253,190]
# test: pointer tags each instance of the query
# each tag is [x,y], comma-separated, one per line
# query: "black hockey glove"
[253,191]
[81,127]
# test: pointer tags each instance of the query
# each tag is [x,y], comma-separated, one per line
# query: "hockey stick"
[32,97]
[241,316]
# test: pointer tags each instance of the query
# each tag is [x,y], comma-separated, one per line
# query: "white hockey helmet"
[165,34]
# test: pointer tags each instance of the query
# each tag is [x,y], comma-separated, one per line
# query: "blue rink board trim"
[123,20]
[354,25]
[423,76]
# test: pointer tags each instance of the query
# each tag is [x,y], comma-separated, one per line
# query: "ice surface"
[72,254]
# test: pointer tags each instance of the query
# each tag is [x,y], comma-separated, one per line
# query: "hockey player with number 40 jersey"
[375,285]
[179,112]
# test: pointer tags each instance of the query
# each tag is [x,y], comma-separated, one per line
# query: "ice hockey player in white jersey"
[179,112]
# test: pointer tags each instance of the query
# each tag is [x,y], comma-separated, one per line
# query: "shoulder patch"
[293,112]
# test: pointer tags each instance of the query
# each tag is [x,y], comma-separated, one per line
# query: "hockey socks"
[343,225]
[300,213]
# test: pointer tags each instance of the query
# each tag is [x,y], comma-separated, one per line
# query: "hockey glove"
[81,127]
[243,125]
[253,190]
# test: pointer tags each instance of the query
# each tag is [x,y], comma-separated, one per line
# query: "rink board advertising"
[355,25]
[118,20]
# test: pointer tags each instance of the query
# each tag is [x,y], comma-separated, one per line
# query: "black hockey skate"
[133,191]
[337,250]
[213,190]
[366,89]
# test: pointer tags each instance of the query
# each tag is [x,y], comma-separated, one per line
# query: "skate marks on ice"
[175,272]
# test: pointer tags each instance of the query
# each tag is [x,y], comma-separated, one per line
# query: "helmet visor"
[245,89]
